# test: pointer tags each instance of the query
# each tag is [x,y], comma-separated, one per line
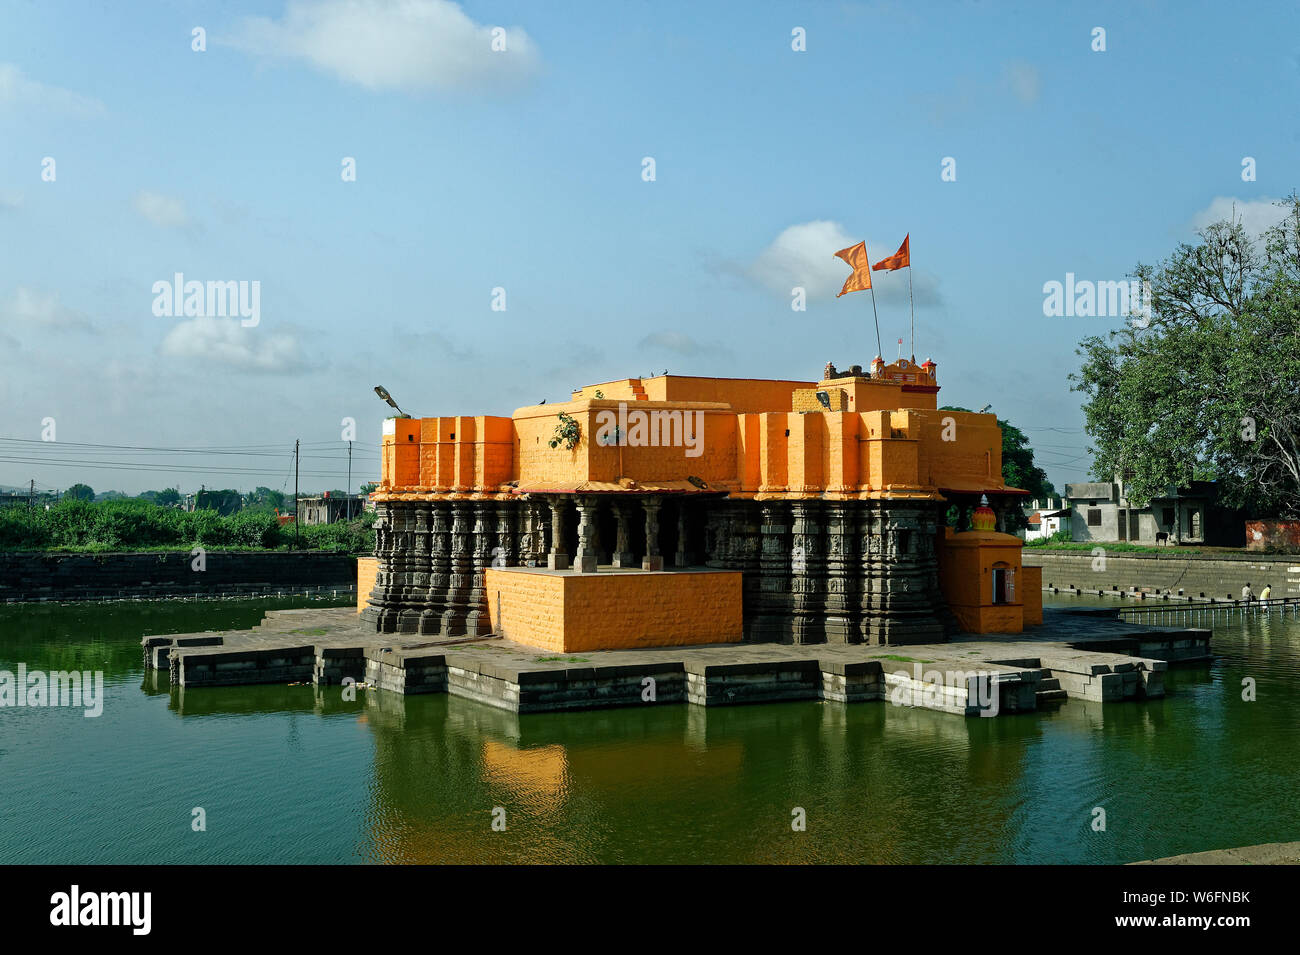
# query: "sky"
[640,184]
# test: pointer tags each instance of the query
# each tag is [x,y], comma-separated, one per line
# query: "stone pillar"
[477,621]
[684,557]
[524,533]
[531,523]
[841,568]
[461,570]
[744,553]
[506,553]
[406,563]
[540,513]
[653,559]
[717,534]
[772,619]
[623,556]
[585,559]
[594,521]
[380,613]
[440,568]
[807,574]
[871,570]
[557,558]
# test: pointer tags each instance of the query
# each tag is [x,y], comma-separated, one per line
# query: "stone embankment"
[1220,576]
[1091,655]
[109,576]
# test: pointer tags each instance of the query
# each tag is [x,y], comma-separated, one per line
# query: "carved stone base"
[813,571]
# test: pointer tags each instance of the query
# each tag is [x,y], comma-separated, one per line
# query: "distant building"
[1187,515]
[1045,518]
[325,509]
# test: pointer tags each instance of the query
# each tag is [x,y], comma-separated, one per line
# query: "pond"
[289,774]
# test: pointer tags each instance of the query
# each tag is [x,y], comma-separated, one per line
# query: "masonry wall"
[570,613]
[1216,576]
[96,576]
[527,608]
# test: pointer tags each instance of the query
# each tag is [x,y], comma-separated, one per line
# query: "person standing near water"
[1246,593]
[1266,592]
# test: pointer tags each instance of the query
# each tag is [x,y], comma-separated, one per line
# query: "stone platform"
[1083,655]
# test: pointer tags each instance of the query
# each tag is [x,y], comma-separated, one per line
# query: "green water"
[286,774]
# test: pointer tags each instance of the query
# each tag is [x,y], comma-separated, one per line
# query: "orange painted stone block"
[367,569]
[567,612]
[1031,595]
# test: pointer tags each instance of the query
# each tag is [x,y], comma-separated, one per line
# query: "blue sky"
[522,169]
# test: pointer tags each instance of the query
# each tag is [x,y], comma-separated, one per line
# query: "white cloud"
[16,89]
[32,307]
[804,255]
[1257,215]
[1024,80]
[227,342]
[163,211]
[408,45]
[678,343]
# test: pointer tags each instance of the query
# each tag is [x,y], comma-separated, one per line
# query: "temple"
[678,510]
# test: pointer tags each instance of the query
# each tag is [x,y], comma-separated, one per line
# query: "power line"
[159,468]
[57,450]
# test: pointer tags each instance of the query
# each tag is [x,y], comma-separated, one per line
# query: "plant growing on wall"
[568,432]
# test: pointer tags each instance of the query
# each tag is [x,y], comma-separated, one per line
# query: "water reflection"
[416,779]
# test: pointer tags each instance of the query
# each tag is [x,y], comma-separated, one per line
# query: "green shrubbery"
[141,525]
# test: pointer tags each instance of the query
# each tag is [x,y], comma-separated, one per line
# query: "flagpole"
[911,304]
[880,349]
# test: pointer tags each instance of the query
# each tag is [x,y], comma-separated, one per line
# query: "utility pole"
[295,495]
[348,499]
[31,495]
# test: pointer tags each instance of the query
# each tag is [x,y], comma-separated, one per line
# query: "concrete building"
[324,509]
[674,510]
[1187,515]
[1045,518]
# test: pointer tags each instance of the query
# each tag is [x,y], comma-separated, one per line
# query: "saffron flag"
[899,260]
[856,256]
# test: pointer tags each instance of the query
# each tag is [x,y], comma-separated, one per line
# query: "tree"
[80,492]
[264,495]
[167,497]
[224,502]
[1207,384]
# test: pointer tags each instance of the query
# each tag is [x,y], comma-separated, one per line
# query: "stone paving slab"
[1272,853]
[1095,658]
